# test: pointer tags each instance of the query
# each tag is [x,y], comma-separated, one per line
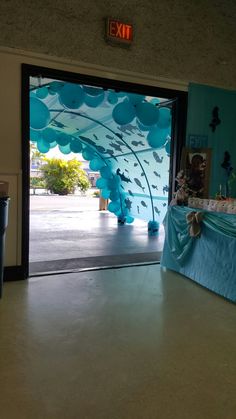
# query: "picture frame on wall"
[196,163]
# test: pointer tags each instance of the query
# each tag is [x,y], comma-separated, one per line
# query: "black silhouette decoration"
[122,176]
[128,204]
[143,203]
[227,163]
[215,119]
[157,157]
[137,181]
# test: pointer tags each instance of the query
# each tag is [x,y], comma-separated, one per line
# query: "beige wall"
[174,42]
[182,39]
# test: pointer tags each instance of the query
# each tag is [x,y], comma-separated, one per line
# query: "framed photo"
[196,162]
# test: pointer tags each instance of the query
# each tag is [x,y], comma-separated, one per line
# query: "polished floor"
[130,343]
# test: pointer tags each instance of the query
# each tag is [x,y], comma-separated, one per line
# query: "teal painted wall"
[201,101]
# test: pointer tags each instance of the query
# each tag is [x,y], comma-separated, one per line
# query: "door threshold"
[95,268]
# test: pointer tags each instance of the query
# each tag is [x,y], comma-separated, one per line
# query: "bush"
[62,177]
[84,183]
[37,183]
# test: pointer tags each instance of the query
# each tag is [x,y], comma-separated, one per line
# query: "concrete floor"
[131,343]
[69,228]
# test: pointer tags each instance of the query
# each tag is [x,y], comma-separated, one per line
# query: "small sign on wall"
[119,32]
[197,141]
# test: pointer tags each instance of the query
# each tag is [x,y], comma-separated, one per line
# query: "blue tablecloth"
[209,259]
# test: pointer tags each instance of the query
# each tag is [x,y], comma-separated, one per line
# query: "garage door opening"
[123,138]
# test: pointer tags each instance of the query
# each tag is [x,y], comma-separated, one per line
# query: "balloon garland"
[150,117]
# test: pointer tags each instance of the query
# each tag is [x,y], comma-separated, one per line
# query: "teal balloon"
[93,101]
[63,139]
[93,91]
[65,149]
[101,183]
[105,193]
[49,135]
[118,213]
[52,145]
[113,206]
[142,127]
[153,228]
[121,94]
[96,164]
[76,146]
[114,195]
[71,96]
[39,114]
[129,219]
[106,172]
[87,154]
[125,211]
[147,113]
[112,98]
[123,113]
[164,120]
[42,92]
[43,146]
[135,98]
[56,86]
[167,148]
[35,135]
[114,182]
[157,137]
[51,92]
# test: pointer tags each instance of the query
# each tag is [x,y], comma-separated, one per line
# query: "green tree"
[62,177]
[84,183]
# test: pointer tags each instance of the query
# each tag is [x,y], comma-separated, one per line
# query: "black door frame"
[178,123]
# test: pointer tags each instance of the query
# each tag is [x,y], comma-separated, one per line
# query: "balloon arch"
[124,136]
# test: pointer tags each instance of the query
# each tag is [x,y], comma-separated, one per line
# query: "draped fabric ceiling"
[125,136]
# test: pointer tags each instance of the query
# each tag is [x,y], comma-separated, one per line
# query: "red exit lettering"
[119,30]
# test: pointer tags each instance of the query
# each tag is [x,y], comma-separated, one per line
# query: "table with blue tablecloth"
[210,258]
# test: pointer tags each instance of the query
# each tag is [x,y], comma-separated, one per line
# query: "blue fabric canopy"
[125,136]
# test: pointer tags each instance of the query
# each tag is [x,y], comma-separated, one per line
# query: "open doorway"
[128,138]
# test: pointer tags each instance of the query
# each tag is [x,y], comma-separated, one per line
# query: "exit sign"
[119,31]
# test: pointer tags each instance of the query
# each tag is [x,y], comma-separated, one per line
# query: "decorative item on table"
[181,195]
[196,165]
[213,205]
[219,195]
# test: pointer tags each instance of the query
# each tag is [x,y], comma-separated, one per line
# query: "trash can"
[4,202]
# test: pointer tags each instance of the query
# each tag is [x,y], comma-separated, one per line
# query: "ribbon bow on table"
[194,221]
